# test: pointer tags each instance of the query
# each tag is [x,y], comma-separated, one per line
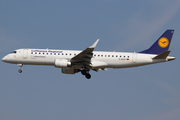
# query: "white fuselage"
[73,61]
[99,60]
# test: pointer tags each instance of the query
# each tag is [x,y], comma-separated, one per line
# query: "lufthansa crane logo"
[163,42]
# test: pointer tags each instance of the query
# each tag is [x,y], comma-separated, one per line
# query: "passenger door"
[134,57]
[25,53]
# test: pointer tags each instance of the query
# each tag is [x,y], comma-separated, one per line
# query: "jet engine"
[62,63]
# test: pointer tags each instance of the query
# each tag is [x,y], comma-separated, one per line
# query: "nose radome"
[4,59]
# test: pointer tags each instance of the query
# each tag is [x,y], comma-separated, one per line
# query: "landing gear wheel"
[88,76]
[20,71]
[83,72]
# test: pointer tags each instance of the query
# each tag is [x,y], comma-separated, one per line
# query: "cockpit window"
[13,52]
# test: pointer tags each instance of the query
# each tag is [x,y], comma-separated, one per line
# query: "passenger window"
[54,53]
[112,55]
[101,55]
[108,55]
[39,53]
[62,54]
[35,53]
[47,53]
[31,52]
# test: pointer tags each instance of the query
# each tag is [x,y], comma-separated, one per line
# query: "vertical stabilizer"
[161,45]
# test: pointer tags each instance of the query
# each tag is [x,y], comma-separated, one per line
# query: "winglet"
[94,45]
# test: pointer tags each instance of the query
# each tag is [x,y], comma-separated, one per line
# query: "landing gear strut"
[20,70]
[86,73]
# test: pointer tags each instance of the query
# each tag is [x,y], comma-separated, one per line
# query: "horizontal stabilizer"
[162,55]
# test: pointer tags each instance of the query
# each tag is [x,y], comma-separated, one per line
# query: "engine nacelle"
[61,63]
[69,70]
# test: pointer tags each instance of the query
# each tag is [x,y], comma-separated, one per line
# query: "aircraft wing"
[84,57]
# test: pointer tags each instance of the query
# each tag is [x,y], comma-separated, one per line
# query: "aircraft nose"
[4,59]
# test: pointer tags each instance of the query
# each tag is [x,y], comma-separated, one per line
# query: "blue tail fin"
[161,45]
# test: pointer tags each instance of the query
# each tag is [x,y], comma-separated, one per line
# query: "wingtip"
[94,45]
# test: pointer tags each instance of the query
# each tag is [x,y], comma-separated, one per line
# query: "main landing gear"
[20,70]
[86,73]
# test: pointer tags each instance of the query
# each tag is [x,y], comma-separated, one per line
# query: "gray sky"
[44,93]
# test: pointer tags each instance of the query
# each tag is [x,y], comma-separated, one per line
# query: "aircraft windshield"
[13,52]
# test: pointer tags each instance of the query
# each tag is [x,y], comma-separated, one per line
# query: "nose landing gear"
[20,70]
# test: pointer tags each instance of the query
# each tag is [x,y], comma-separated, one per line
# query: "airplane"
[73,61]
